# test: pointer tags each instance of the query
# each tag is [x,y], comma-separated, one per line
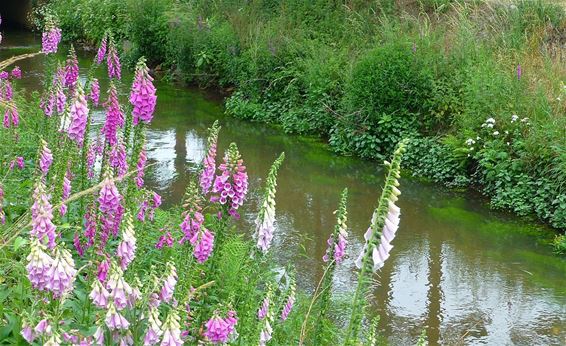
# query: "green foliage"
[366,75]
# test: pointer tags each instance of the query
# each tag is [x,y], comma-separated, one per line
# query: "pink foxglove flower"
[38,265]
[99,336]
[102,271]
[191,225]
[2,213]
[102,50]
[42,328]
[99,294]
[118,288]
[231,186]
[171,330]
[90,160]
[51,37]
[71,69]
[48,103]
[127,248]
[154,332]
[109,201]
[164,240]
[209,163]
[58,92]
[45,158]
[217,330]
[76,239]
[338,239]
[142,96]
[66,192]
[113,61]
[61,275]
[264,309]
[141,167]
[42,216]
[16,73]
[114,320]
[169,283]
[266,216]
[289,303]
[11,116]
[27,333]
[114,116]
[203,242]
[94,92]
[118,158]
[79,116]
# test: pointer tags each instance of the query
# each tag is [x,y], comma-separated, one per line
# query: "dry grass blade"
[10,61]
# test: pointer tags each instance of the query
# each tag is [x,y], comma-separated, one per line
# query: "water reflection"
[463,273]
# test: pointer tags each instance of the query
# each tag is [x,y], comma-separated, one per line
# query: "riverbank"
[476,87]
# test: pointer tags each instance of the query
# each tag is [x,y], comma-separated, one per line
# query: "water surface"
[462,272]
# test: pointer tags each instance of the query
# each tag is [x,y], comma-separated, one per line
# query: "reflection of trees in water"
[435,294]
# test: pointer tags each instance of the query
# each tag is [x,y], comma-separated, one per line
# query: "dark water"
[465,274]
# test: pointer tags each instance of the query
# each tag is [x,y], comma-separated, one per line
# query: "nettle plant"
[94,261]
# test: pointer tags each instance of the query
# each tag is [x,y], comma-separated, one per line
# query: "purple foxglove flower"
[60,98]
[232,320]
[11,116]
[99,294]
[70,338]
[42,216]
[51,37]
[166,239]
[38,265]
[99,336]
[66,192]
[231,186]
[115,321]
[118,288]
[101,50]
[264,309]
[209,163]
[20,161]
[76,240]
[203,242]
[46,158]
[113,61]
[118,158]
[61,275]
[90,225]
[7,92]
[519,72]
[169,283]
[141,214]
[109,202]
[94,92]
[217,330]
[191,225]
[127,247]
[16,73]
[171,330]
[4,75]
[47,104]
[42,328]
[71,69]
[142,96]
[289,304]
[79,116]
[154,332]
[103,269]
[27,333]
[114,116]
[141,168]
